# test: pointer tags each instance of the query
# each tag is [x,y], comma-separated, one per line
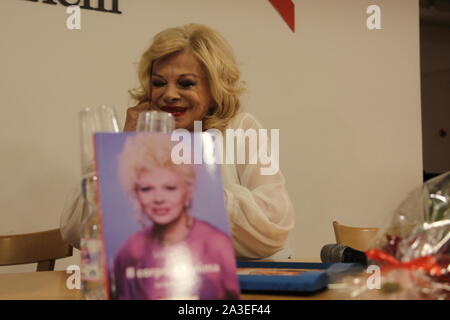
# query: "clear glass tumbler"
[155,121]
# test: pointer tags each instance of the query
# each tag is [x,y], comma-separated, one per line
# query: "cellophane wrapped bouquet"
[410,257]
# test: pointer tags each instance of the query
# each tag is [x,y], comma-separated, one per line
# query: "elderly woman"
[161,192]
[191,72]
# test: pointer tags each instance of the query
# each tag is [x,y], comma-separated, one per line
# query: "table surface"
[51,285]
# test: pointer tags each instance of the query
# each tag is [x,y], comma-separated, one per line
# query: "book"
[298,277]
[165,228]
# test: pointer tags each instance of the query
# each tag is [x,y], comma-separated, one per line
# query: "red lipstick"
[176,111]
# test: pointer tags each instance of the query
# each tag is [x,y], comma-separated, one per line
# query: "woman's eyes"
[171,188]
[185,84]
[145,189]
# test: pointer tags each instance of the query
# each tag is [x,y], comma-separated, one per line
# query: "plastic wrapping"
[409,258]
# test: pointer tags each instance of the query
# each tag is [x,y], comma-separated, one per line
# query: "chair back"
[42,248]
[356,238]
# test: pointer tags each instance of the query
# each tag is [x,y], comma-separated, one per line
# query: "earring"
[212,109]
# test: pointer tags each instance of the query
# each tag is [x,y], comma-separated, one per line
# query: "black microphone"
[341,253]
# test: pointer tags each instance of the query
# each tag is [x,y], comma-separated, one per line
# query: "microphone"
[341,253]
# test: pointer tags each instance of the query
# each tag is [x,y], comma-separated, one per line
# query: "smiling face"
[163,195]
[179,85]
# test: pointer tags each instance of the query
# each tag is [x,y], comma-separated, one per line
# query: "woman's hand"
[133,115]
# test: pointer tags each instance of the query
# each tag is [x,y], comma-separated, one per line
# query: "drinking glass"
[155,121]
[96,119]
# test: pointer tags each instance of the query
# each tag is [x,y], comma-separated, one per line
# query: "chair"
[356,238]
[41,247]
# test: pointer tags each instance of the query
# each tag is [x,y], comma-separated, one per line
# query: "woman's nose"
[171,94]
[158,199]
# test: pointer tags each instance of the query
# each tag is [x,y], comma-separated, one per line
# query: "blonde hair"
[216,56]
[144,152]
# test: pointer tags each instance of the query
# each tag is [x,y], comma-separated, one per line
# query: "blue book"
[291,276]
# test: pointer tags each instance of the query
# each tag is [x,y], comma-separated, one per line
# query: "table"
[45,285]
[51,285]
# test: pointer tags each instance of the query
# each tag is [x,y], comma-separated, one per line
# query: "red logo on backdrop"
[287,10]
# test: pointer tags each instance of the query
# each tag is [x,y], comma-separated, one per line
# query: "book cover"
[298,277]
[165,227]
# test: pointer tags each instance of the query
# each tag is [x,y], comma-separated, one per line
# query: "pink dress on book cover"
[202,266]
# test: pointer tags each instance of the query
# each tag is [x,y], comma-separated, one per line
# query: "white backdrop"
[346,100]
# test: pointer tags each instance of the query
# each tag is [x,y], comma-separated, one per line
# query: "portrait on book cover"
[165,227]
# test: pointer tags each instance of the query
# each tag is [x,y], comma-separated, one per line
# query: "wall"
[435,63]
[346,100]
